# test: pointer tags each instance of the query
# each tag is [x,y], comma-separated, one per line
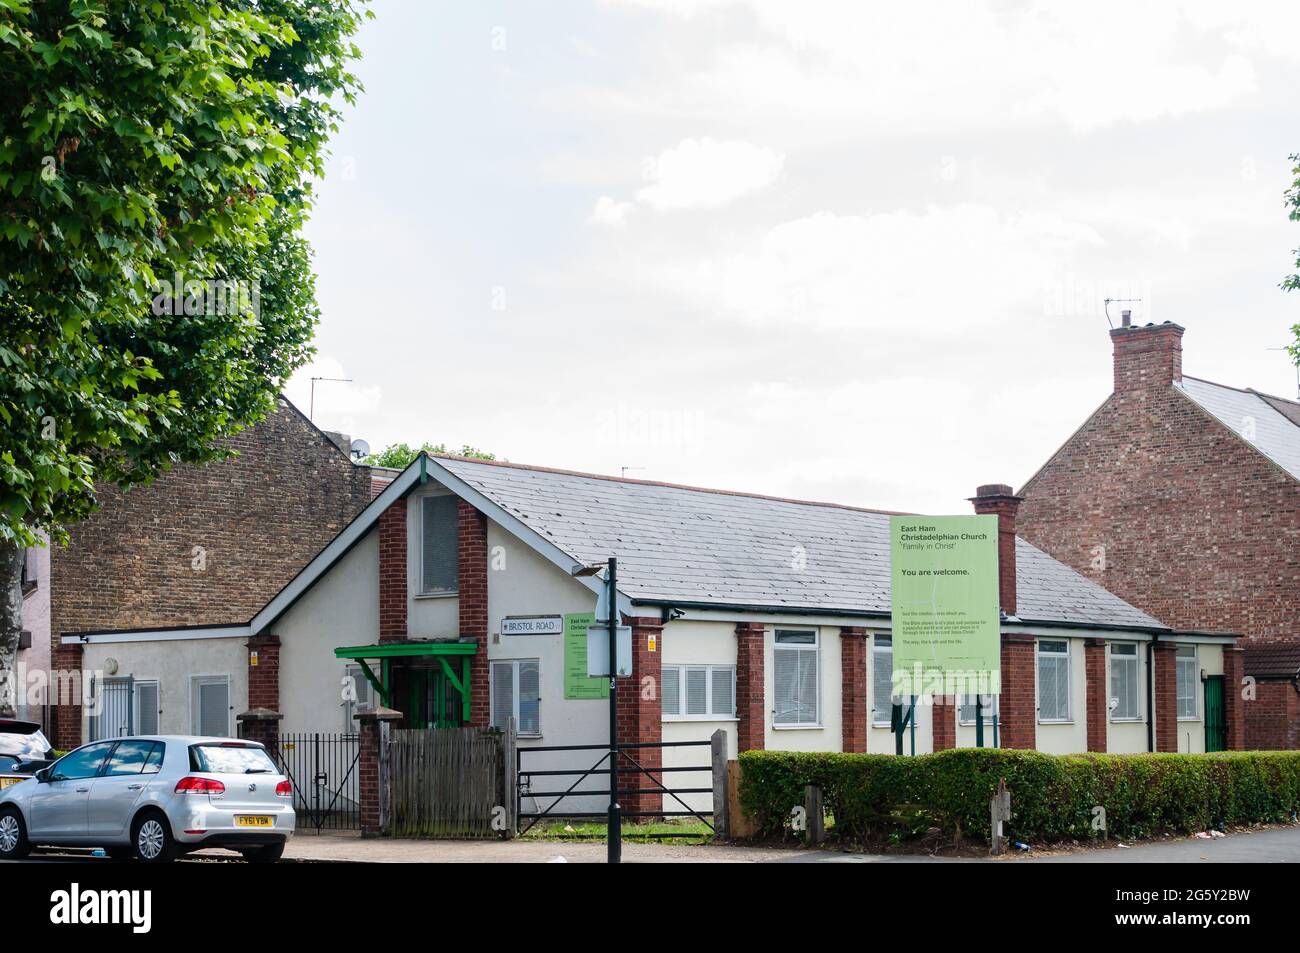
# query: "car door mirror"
[43,775]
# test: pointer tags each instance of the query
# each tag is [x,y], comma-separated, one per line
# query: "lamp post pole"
[614,833]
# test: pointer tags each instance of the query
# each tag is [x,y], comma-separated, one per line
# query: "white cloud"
[610,212]
[961,265]
[703,173]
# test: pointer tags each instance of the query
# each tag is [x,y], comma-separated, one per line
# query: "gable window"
[794,676]
[699,691]
[1125,682]
[516,692]
[1053,680]
[210,705]
[1188,673]
[882,683]
[439,532]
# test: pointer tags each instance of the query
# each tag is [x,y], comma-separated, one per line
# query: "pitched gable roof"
[1271,429]
[704,547]
[1272,659]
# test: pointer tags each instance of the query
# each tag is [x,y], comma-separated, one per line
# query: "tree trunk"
[12,557]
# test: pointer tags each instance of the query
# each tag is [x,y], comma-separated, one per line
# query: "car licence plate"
[7,782]
[254,820]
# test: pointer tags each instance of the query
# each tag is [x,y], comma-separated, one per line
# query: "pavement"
[1273,845]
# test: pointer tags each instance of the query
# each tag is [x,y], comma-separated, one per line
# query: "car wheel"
[151,839]
[264,855]
[13,836]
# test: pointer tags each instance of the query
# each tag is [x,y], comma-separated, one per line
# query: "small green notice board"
[577,683]
[945,613]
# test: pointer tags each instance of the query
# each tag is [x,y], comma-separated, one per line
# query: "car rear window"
[230,759]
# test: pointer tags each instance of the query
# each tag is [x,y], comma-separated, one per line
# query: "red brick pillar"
[1097,698]
[1018,707]
[640,715]
[751,726]
[853,690]
[263,726]
[372,766]
[472,558]
[262,720]
[1164,658]
[1233,709]
[392,572]
[65,693]
[943,723]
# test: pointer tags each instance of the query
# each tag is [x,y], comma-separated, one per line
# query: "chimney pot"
[1126,318]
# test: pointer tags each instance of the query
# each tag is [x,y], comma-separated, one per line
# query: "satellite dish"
[360,449]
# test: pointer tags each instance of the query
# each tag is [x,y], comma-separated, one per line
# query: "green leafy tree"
[399,455]
[148,147]
[1292,282]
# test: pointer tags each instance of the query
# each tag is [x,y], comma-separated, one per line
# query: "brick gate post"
[372,785]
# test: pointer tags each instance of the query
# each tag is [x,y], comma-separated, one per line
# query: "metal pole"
[979,720]
[614,832]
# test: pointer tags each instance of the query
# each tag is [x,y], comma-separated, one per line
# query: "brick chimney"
[1147,356]
[998,499]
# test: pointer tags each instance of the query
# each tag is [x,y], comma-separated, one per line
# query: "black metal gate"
[642,777]
[323,771]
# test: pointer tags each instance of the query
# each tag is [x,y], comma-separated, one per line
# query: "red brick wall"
[259,518]
[264,677]
[1017,718]
[1097,700]
[1272,720]
[1166,696]
[640,715]
[1173,512]
[853,688]
[67,717]
[472,557]
[368,775]
[751,727]
[943,725]
[1147,357]
[393,572]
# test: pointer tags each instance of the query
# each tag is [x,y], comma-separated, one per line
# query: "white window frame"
[711,672]
[514,664]
[993,710]
[195,681]
[815,648]
[1068,655]
[420,591]
[882,645]
[1194,678]
[1137,681]
[135,702]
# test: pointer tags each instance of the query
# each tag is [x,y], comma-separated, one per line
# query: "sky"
[852,252]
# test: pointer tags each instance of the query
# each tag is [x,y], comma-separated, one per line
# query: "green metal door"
[1214,724]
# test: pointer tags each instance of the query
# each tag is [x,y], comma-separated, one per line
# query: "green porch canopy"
[386,652]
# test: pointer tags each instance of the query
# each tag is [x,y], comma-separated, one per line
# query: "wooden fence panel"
[448,782]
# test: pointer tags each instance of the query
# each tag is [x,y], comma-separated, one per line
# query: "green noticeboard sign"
[945,618]
[577,683]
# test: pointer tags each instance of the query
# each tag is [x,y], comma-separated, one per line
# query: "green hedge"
[873,797]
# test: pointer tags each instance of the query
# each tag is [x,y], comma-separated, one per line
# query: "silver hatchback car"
[153,798]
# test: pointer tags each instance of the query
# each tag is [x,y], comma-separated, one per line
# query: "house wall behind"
[258,519]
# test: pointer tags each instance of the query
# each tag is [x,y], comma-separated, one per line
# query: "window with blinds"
[698,691]
[1125,682]
[439,559]
[516,692]
[882,683]
[794,678]
[148,707]
[359,696]
[210,705]
[1053,680]
[988,708]
[1188,675]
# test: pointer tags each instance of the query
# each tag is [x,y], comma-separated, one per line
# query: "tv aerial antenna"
[1109,301]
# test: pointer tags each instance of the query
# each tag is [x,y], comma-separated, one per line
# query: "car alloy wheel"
[10,833]
[150,839]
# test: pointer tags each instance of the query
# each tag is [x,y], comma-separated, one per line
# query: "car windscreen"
[230,759]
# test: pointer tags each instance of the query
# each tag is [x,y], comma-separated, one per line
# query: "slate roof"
[710,547]
[1269,424]
[1272,659]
